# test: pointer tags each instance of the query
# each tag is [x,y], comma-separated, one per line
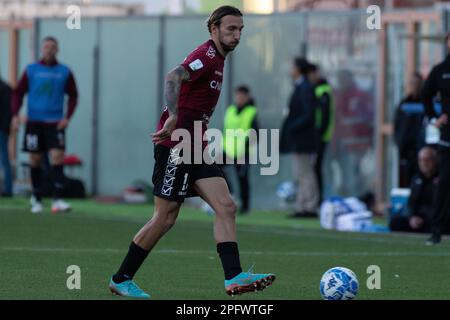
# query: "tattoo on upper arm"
[174,79]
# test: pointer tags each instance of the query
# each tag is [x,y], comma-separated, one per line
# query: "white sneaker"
[60,206]
[36,206]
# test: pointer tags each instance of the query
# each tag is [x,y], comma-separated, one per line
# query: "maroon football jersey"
[199,95]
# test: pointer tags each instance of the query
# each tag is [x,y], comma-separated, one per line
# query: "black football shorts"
[41,137]
[174,180]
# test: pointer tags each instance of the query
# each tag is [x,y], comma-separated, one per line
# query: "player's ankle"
[119,278]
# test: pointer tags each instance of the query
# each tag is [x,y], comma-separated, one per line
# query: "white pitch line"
[266,253]
[415,239]
[299,232]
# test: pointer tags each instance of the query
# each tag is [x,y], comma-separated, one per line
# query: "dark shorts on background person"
[41,137]
[174,180]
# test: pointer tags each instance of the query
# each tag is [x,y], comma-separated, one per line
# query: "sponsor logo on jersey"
[196,65]
[216,85]
[211,53]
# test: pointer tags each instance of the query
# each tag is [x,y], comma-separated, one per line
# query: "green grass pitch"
[35,252]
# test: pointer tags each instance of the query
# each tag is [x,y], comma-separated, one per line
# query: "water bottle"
[432,134]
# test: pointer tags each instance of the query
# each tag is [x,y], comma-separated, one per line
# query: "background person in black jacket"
[5,120]
[438,82]
[407,130]
[300,137]
[419,211]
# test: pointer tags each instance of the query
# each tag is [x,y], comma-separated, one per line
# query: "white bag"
[345,214]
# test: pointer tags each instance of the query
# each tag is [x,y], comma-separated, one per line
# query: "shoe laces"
[250,270]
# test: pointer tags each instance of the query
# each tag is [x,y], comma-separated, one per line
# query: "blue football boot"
[248,282]
[127,289]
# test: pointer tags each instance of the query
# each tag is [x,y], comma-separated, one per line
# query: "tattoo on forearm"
[174,79]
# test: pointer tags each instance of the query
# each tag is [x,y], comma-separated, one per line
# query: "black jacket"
[438,81]
[408,128]
[420,202]
[5,107]
[299,133]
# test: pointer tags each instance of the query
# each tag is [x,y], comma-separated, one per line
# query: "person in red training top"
[46,82]
[192,90]
[353,135]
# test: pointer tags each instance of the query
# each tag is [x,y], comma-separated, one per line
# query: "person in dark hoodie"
[300,137]
[408,124]
[438,82]
[324,119]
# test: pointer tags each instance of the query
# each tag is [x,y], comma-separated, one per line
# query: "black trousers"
[318,168]
[242,171]
[402,224]
[408,167]
[442,198]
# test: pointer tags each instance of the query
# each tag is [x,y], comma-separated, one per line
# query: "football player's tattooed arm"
[174,79]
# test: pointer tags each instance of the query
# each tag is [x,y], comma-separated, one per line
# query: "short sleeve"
[197,64]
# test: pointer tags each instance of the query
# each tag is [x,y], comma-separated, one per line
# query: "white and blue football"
[339,283]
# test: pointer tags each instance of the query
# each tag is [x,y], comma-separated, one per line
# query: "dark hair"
[50,38]
[428,147]
[313,67]
[243,88]
[302,65]
[219,13]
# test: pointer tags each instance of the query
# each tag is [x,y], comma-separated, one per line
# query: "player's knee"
[166,219]
[227,208]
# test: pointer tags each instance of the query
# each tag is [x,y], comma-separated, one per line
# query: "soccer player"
[192,90]
[46,82]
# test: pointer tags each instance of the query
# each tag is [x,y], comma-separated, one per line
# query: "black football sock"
[132,262]
[36,182]
[58,181]
[229,255]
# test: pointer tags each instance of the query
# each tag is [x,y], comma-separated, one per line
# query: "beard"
[227,48]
